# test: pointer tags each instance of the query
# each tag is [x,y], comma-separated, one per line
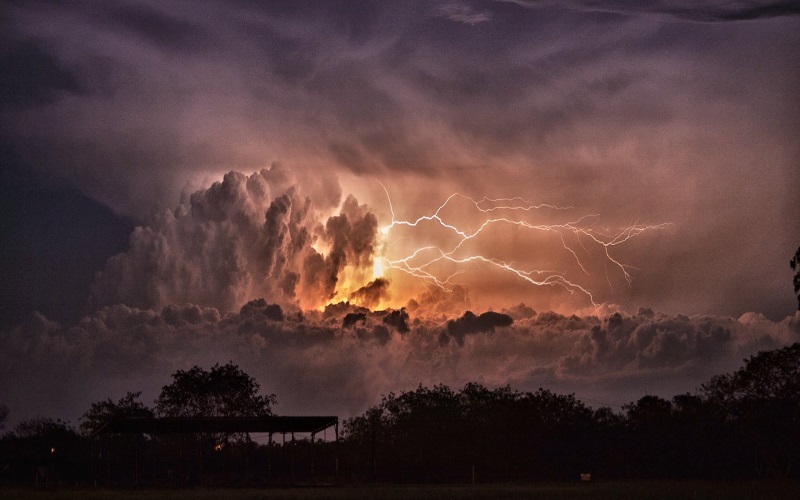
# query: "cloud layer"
[341,360]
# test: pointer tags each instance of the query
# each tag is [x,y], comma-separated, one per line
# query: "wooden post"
[374,463]
[291,460]
[336,431]
[91,466]
[284,452]
[269,458]
[108,459]
[136,461]
[312,457]
[200,454]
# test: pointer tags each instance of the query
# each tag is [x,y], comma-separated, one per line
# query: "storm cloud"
[677,112]
[243,147]
[243,237]
[348,364]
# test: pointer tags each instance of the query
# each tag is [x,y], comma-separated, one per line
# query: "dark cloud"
[764,10]
[347,357]
[31,75]
[352,319]
[273,312]
[181,316]
[54,240]
[352,236]
[469,323]
[371,294]
[720,11]
[647,342]
[159,28]
[700,11]
[397,319]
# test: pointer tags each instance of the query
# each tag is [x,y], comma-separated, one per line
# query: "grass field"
[601,490]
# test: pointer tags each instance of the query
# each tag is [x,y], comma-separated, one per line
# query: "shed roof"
[189,425]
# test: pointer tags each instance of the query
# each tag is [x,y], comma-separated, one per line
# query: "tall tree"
[768,378]
[763,401]
[99,412]
[43,427]
[46,444]
[224,391]
[795,263]
[437,434]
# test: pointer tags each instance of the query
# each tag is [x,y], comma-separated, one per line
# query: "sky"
[618,178]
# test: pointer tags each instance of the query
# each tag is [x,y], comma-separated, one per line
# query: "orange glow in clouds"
[498,252]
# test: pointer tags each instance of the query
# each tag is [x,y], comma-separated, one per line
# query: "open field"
[615,490]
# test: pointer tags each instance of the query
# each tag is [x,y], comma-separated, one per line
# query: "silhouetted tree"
[762,399]
[437,434]
[795,264]
[769,378]
[129,449]
[46,448]
[610,452]
[101,411]
[423,419]
[557,430]
[224,391]
[651,435]
[43,427]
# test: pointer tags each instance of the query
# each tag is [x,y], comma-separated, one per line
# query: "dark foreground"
[615,490]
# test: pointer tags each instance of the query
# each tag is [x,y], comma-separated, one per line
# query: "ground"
[598,490]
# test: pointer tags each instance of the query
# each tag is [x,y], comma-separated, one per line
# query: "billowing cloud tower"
[242,238]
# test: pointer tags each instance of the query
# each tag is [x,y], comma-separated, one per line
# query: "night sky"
[624,180]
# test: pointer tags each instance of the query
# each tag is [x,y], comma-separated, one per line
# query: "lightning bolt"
[421,261]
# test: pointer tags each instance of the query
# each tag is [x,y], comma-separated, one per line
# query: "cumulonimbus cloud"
[246,236]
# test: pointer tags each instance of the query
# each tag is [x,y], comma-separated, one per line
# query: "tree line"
[744,424]
[54,451]
[740,425]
